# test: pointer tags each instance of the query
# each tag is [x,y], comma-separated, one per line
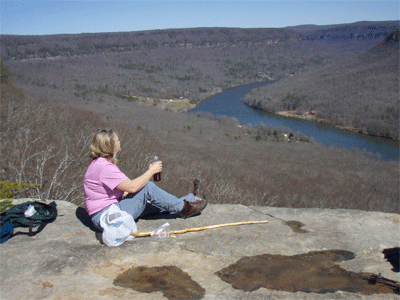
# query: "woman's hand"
[156,167]
[135,185]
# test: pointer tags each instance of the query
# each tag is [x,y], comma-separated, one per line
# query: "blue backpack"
[14,217]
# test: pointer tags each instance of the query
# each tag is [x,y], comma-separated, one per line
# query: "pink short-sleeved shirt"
[100,181]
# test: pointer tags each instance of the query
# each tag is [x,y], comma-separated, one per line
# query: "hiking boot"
[192,208]
[198,190]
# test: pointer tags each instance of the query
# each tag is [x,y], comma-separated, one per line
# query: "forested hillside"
[360,92]
[47,147]
[165,64]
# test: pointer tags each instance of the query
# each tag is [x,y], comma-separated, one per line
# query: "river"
[230,103]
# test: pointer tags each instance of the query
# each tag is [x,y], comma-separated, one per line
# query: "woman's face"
[117,144]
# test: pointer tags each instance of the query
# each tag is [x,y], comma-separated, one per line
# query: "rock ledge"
[66,260]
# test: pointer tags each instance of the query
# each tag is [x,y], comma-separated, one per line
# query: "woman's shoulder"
[101,165]
[105,164]
[102,161]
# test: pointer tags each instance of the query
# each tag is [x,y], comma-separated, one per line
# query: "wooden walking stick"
[140,234]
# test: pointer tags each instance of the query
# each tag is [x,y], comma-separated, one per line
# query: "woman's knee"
[150,187]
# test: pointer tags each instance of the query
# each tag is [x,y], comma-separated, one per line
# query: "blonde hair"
[103,145]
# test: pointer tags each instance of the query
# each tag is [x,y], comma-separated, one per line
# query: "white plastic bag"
[117,226]
[30,211]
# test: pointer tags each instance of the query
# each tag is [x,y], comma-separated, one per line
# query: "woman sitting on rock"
[105,184]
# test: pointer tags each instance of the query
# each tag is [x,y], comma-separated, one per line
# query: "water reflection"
[230,103]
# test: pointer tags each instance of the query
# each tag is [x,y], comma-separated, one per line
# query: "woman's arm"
[135,185]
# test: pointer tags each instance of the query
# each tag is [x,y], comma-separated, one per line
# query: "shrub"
[4,205]
[11,189]
[5,72]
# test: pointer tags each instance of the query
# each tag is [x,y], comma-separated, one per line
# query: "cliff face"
[25,47]
[274,260]
[353,35]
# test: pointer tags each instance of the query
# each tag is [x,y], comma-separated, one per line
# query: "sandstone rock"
[66,260]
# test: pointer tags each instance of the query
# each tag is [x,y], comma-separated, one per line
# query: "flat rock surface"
[66,260]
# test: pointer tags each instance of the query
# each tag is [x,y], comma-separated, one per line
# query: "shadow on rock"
[393,256]
[152,212]
[84,217]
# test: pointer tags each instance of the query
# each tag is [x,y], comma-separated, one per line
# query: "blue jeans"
[136,203]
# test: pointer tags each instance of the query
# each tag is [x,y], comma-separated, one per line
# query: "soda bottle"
[157,176]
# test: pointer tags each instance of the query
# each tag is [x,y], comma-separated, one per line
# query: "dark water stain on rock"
[316,271]
[170,280]
[393,256]
[296,226]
